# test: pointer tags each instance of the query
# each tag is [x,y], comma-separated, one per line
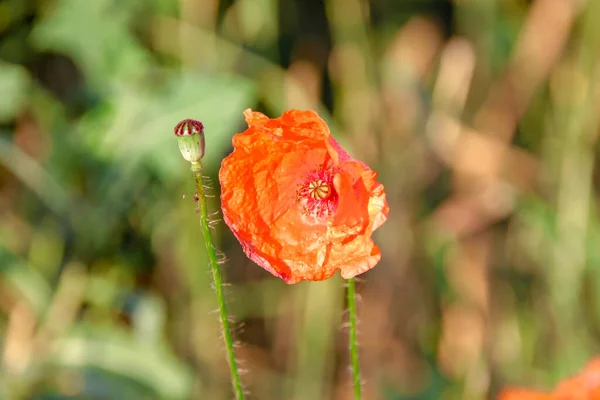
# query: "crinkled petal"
[292,239]
[361,256]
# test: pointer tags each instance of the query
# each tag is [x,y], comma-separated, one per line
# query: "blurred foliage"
[480,116]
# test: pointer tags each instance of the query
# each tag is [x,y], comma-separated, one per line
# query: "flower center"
[317,194]
[319,189]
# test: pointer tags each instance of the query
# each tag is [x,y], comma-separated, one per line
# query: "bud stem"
[218,281]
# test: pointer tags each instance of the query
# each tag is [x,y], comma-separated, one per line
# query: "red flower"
[585,386]
[523,394]
[300,206]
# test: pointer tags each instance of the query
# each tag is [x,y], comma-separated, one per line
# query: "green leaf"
[138,127]
[96,34]
[117,352]
[14,82]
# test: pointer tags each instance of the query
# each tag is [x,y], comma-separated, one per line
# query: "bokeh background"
[481,117]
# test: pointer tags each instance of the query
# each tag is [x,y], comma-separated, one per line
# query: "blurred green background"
[481,117]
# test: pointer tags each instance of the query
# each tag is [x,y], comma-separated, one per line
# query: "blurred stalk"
[195,51]
[315,342]
[256,67]
[349,25]
[218,282]
[478,22]
[61,313]
[18,355]
[575,94]
[353,73]
[33,175]
[353,339]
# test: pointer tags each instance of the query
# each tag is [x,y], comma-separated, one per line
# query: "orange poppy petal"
[585,386]
[570,389]
[299,205]
[523,394]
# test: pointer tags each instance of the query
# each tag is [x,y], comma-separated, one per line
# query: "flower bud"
[190,137]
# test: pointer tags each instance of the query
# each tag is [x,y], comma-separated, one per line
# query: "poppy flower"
[523,394]
[299,205]
[585,386]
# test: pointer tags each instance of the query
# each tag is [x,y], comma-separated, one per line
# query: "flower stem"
[353,340]
[218,281]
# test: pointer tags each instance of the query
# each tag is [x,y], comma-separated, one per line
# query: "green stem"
[218,281]
[353,340]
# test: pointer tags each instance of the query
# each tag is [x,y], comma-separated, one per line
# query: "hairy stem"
[218,281]
[353,340]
